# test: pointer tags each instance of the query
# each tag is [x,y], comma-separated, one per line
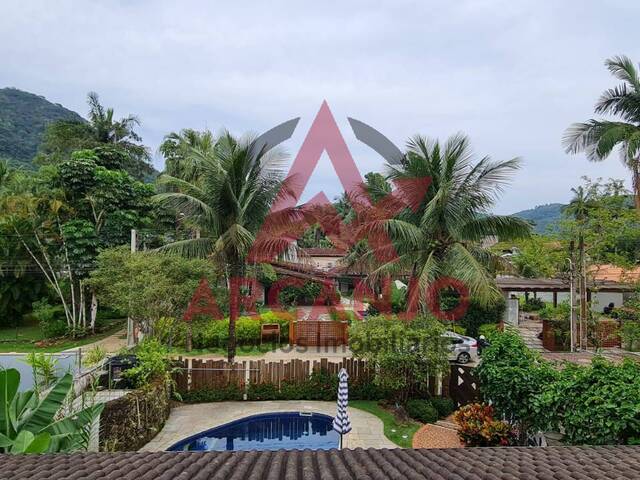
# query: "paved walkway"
[111,344]
[529,331]
[188,420]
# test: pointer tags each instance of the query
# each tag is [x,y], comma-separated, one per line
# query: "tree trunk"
[94,310]
[234,310]
[636,183]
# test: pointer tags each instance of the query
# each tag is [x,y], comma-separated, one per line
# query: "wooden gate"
[463,385]
[312,333]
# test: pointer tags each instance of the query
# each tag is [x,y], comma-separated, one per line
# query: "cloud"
[512,75]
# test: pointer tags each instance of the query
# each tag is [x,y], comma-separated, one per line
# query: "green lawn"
[393,430]
[24,338]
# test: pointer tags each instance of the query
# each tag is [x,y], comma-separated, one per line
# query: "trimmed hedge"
[215,333]
[320,386]
[443,405]
[421,410]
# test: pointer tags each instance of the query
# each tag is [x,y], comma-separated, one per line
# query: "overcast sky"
[511,74]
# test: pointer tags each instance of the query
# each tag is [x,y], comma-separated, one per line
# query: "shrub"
[511,375]
[457,329]
[478,428]
[478,315]
[153,363]
[443,405]
[421,410]
[50,318]
[223,394]
[404,354]
[593,405]
[489,330]
[630,334]
[170,331]
[263,391]
[532,305]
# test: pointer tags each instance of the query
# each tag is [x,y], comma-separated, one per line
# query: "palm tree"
[598,138]
[178,149]
[442,236]
[228,202]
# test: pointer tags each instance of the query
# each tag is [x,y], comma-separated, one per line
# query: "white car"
[462,349]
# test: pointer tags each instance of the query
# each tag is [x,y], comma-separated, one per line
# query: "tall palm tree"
[228,202]
[443,236]
[178,150]
[598,138]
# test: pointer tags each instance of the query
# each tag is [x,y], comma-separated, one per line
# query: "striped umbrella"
[341,422]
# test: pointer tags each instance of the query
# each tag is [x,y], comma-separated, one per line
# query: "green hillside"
[543,217]
[23,117]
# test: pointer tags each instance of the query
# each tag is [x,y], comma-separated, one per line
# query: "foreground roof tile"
[510,463]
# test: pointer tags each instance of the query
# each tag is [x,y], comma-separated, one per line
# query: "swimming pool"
[270,431]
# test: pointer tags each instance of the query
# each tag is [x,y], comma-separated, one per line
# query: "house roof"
[302,270]
[616,274]
[507,463]
[323,252]
[518,284]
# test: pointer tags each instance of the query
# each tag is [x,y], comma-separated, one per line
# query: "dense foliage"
[421,410]
[150,285]
[511,375]
[404,354]
[23,118]
[319,386]
[30,423]
[593,405]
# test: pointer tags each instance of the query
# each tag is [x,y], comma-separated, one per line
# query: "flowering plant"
[478,428]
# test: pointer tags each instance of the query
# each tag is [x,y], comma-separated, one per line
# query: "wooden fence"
[462,386]
[312,333]
[196,374]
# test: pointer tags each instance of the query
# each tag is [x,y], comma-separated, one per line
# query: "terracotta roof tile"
[511,463]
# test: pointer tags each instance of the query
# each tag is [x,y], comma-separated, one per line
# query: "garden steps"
[446,424]
[529,331]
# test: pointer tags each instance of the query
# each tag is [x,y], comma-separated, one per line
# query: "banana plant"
[29,424]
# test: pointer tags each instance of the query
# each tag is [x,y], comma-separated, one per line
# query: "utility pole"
[131,340]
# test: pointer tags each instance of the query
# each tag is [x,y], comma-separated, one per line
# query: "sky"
[512,75]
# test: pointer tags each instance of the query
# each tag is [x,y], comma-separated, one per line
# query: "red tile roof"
[616,274]
[506,463]
[323,252]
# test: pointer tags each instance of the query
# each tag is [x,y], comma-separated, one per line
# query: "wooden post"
[555,299]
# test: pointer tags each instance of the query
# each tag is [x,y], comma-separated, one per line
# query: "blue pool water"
[271,431]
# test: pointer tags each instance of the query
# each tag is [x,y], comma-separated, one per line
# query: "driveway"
[188,420]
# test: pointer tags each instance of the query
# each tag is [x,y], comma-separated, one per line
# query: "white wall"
[599,300]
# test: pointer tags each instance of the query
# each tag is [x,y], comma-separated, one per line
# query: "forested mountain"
[542,216]
[23,117]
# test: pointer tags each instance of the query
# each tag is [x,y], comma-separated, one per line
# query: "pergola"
[557,285]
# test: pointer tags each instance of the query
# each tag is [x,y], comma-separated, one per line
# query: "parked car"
[462,349]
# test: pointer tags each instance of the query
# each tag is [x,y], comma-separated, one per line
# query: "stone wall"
[130,422]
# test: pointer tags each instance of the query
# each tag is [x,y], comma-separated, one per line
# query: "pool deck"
[188,420]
